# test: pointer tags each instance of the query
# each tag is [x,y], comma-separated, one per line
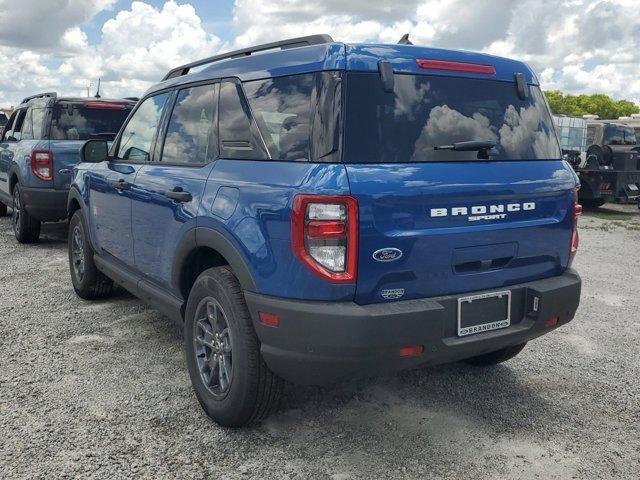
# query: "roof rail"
[283,45]
[39,95]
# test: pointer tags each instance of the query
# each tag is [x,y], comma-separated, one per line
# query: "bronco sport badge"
[483,212]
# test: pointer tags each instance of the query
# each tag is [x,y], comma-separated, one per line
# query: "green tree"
[598,104]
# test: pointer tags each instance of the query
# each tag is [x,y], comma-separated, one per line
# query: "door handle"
[178,196]
[120,185]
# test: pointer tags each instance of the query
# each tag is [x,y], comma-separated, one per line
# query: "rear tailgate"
[458,177]
[66,155]
[460,227]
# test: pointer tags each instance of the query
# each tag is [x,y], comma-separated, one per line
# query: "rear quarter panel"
[249,203]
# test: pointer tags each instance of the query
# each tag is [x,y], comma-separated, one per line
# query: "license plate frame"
[464,331]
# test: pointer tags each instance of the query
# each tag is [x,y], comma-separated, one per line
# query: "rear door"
[440,221]
[111,185]
[168,190]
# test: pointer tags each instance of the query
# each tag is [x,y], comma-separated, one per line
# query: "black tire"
[251,391]
[592,202]
[88,282]
[494,358]
[3,209]
[25,227]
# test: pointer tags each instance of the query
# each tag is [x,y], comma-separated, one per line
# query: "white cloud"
[38,24]
[138,46]
[579,46]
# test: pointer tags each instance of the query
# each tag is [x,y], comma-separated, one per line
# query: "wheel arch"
[204,248]
[74,202]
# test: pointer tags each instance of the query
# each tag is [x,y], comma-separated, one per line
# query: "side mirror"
[94,151]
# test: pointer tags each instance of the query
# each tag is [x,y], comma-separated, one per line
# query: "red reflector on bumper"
[269,319]
[553,321]
[414,351]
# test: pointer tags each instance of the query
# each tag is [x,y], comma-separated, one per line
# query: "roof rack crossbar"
[244,52]
[39,95]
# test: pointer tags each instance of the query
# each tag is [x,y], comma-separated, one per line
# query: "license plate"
[484,312]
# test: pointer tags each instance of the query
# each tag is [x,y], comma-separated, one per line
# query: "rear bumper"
[320,343]
[45,204]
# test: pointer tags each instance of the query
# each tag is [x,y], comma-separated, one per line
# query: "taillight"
[324,235]
[575,237]
[456,66]
[42,164]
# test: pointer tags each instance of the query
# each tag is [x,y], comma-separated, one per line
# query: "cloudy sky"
[63,45]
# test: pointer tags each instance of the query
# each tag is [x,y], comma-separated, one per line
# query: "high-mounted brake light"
[105,106]
[575,237]
[456,66]
[42,164]
[324,235]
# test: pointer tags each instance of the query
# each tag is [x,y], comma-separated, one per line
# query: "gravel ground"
[101,390]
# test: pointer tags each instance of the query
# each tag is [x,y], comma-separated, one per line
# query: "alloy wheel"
[213,347]
[17,211]
[77,253]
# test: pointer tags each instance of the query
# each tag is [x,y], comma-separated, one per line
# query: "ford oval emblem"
[387,254]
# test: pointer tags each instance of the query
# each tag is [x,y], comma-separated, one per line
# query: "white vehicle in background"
[572,133]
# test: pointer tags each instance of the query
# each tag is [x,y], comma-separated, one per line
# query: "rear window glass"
[424,112]
[281,107]
[77,122]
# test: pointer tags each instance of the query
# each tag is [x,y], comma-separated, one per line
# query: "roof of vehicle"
[45,100]
[341,56]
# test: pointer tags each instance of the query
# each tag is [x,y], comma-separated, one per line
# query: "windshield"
[425,112]
[619,135]
[78,122]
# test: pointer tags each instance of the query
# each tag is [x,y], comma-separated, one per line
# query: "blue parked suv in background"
[38,150]
[325,210]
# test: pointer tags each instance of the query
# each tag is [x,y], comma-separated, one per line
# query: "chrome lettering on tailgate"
[483,212]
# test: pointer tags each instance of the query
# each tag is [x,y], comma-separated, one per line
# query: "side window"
[238,138]
[37,121]
[139,133]
[190,138]
[282,108]
[27,126]
[17,130]
[8,129]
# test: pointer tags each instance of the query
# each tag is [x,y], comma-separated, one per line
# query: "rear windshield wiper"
[485,148]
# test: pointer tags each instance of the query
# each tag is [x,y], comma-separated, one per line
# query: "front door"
[169,189]
[113,186]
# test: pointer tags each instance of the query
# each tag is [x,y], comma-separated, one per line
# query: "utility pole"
[88,89]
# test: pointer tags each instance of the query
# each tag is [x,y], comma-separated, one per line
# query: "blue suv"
[324,210]
[40,146]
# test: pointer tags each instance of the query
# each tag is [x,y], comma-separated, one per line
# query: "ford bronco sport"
[38,149]
[324,210]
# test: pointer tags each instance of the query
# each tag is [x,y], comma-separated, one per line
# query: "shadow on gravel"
[54,233]
[456,395]
[612,213]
